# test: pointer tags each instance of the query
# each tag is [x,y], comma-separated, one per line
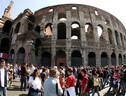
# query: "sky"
[115,7]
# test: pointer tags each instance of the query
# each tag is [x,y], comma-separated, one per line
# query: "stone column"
[98,59]
[117,59]
[114,38]
[53,56]
[85,58]
[68,58]
[119,39]
[109,60]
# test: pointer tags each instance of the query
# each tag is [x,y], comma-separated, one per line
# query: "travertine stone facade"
[81,36]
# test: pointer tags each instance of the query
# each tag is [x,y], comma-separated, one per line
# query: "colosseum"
[63,35]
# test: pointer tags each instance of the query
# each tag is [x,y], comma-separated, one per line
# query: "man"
[124,80]
[3,78]
[24,76]
[105,76]
[32,68]
[85,80]
[70,83]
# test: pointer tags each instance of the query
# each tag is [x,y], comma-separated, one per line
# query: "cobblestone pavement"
[14,90]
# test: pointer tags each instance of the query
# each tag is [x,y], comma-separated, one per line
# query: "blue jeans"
[104,82]
[93,91]
[124,88]
[4,89]
[76,88]
[24,80]
[33,94]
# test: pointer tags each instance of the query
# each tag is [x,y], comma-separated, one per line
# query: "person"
[85,80]
[124,80]
[79,82]
[115,81]
[52,86]
[105,76]
[70,83]
[3,78]
[35,84]
[10,75]
[32,68]
[24,77]
[43,75]
[97,84]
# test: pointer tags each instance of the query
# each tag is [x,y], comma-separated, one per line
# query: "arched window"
[100,31]
[61,31]
[113,58]
[110,35]
[120,59]
[89,30]
[92,59]
[21,55]
[7,26]
[62,17]
[17,29]
[76,58]
[75,31]
[48,29]
[116,36]
[104,59]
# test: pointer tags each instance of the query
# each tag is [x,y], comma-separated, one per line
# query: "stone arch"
[48,29]
[104,59]
[37,29]
[100,31]
[62,17]
[116,36]
[110,35]
[92,59]
[89,30]
[124,57]
[11,56]
[7,26]
[17,28]
[75,30]
[120,59]
[20,55]
[76,58]
[121,36]
[46,59]
[113,59]
[5,45]
[61,34]
[60,58]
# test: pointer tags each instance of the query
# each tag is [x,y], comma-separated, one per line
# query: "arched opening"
[17,29]
[61,31]
[104,59]
[37,29]
[107,22]
[75,31]
[46,59]
[113,59]
[92,59]
[116,37]
[89,30]
[62,17]
[110,35]
[121,39]
[21,56]
[48,29]
[7,26]
[38,44]
[5,45]
[60,58]
[76,58]
[100,31]
[120,59]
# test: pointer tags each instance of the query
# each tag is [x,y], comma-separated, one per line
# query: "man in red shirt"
[85,89]
[70,83]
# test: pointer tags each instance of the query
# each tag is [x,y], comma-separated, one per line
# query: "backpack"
[90,82]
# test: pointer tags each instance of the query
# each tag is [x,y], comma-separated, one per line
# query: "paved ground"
[14,90]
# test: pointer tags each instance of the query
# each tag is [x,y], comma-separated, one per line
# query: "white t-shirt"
[36,83]
[32,69]
[2,77]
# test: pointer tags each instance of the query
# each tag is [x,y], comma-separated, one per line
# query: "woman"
[10,75]
[52,86]
[97,84]
[35,84]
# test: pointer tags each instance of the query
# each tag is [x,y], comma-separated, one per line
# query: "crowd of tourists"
[63,81]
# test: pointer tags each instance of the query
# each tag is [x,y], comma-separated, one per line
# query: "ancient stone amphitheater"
[66,35]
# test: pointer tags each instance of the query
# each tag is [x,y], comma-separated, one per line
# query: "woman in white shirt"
[35,84]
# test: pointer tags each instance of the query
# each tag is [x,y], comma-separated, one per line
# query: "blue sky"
[115,7]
